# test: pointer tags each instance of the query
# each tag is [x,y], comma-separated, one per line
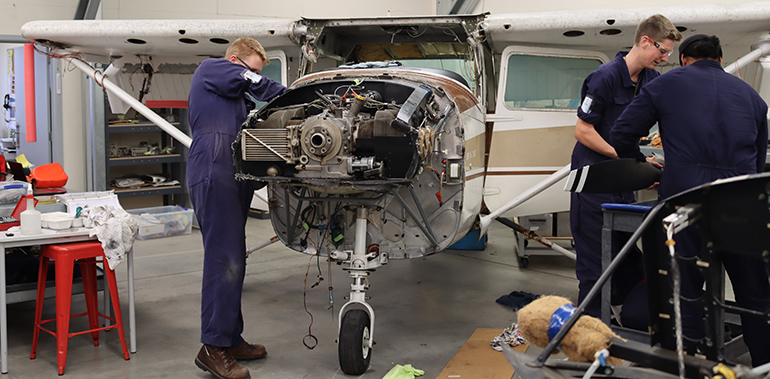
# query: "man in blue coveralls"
[605,94]
[217,108]
[713,125]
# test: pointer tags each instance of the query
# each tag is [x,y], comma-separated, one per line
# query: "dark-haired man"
[605,94]
[713,126]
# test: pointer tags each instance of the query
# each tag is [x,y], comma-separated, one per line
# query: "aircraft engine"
[346,142]
[387,140]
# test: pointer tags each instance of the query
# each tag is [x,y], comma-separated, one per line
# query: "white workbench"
[51,237]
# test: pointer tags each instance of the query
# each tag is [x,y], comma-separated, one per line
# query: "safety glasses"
[663,51]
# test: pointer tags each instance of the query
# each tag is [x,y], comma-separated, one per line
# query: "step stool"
[65,257]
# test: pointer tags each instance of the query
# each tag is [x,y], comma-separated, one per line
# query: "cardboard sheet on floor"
[477,360]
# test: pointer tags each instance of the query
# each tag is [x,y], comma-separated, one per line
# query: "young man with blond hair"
[217,108]
[605,94]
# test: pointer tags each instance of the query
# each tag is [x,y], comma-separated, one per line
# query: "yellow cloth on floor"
[403,372]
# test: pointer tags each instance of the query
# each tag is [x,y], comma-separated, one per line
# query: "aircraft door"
[534,124]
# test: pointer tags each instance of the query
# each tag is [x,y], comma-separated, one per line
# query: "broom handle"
[540,361]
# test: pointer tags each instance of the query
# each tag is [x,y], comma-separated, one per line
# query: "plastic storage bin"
[471,241]
[10,193]
[166,221]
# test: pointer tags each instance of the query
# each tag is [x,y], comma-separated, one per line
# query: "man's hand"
[655,161]
[658,163]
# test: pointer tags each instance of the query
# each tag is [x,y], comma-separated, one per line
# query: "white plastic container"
[30,218]
[165,221]
[58,220]
[59,223]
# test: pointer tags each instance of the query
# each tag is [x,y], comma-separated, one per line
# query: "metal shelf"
[173,166]
[150,159]
[148,191]
[135,128]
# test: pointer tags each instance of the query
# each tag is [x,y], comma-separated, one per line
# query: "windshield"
[462,67]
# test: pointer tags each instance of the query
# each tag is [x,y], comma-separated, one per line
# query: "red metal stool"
[65,257]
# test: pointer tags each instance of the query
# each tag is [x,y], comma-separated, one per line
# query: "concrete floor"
[425,309]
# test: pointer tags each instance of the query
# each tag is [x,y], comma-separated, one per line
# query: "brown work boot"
[247,351]
[220,363]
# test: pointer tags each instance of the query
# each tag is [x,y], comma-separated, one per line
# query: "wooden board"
[477,360]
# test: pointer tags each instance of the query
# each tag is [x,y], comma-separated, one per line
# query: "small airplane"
[397,131]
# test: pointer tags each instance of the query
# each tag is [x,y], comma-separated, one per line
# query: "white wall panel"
[13,14]
[73,137]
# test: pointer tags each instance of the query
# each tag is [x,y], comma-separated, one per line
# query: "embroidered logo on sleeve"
[587,102]
[253,77]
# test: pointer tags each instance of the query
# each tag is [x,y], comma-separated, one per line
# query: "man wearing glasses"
[713,126]
[605,94]
[217,108]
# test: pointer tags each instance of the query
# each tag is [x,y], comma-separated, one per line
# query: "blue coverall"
[217,109]
[713,125]
[609,89]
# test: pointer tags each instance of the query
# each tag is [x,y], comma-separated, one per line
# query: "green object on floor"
[403,372]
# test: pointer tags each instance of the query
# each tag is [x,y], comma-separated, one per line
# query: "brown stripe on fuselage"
[511,173]
[474,176]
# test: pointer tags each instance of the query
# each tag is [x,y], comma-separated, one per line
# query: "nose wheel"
[356,325]
[354,342]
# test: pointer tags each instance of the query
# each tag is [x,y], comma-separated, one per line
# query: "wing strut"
[485,221]
[102,80]
[758,50]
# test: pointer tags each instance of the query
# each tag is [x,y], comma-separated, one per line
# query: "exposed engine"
[362,134]
[336,143]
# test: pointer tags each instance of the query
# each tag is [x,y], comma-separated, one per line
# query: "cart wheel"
[523,262]
[353,349]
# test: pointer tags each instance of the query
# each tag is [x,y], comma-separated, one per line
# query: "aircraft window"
[272,71]
[546,81]
[462,67]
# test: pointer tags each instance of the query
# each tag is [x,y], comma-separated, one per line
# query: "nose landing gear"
[356,327]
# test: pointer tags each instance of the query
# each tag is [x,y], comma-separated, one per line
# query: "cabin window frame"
[275,57]
[514,50]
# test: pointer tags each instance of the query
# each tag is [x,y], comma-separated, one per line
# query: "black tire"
[354,353]
[523,262]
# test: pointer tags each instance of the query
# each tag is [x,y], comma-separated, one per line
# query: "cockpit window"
[272,71]
[546,81]
[462,67]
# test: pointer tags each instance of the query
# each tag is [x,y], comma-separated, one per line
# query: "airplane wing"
[164,53]
[734,24]
[115,38]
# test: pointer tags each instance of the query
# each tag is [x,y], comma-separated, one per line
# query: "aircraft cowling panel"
[385,141]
